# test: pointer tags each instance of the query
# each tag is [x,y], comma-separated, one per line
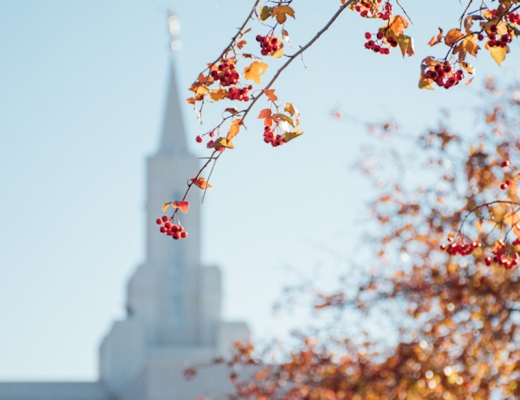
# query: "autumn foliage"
[454,315]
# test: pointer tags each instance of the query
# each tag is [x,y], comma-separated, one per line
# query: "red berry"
[505,164]
[165,218]
[163,229]
[368,35]
[379,35]
[184,234]
[503,186]
[199,139]
[159,221]
[487,261]
[176,235]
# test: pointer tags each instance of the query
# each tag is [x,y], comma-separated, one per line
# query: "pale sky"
[82,91]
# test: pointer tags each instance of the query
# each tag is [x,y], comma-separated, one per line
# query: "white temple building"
[173,303]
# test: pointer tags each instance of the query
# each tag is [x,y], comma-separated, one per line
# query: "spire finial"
[174,28]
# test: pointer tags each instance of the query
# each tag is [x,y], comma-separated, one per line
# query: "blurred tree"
[444,250]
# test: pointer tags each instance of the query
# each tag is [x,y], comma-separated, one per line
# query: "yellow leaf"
[406,45]
[288,136]
[294,113]
[233,129]
[425,84]
[223,142]
[218,94]
[165,207]
[253,72]
[265,12]
[201,90]
[201,183]
[278,53]
[281,13]
[467,67]
[453,36]
[270,95]
[499,53]
[479,225]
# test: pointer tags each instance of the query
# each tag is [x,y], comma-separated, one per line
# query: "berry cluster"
[495,40]
[514,18]
[226,73]
[378,46]
[270,137]
[502,258]
[444,75]
[239,94]
[268,44]
[365,7]
[175,231]
[460,248]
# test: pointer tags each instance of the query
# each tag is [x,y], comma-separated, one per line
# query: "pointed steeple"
[173,137]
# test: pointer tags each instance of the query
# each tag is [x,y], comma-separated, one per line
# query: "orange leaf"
[234,129]
[218,94]
[201,183]
[436,40]
[397,24]
[270,94]
[479,225]
[241,44]
[181,205]
[453,36]
[281,13]
[266,115]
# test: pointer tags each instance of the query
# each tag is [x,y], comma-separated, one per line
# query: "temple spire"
[173,137]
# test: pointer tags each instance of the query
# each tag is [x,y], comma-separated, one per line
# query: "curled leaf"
[289,107]
[201,183]
[234,129]
[181,205]
[218,94]
[265,12]
[288,136]
[270,94]
[223,142]
[436,39]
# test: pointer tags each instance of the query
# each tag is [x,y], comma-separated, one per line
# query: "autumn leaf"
[278,53]
[436,39]
[201,183]
[234,129]
[254,71]
[498,53]
[397,24]
[218,94]
[232,111]
[478,224]
[201,90]
[283,117]
[181,205]
[265,12]
[191,100]
[294,113]
[453,36]
[288,136]
[281,13]
[285,36]
[270,94]
[265,114]
[223,142]
[406,45]
[241,44]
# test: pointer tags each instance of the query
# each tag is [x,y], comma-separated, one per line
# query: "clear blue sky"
[82,91]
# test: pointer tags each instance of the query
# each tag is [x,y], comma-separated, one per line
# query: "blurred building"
[173,303]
